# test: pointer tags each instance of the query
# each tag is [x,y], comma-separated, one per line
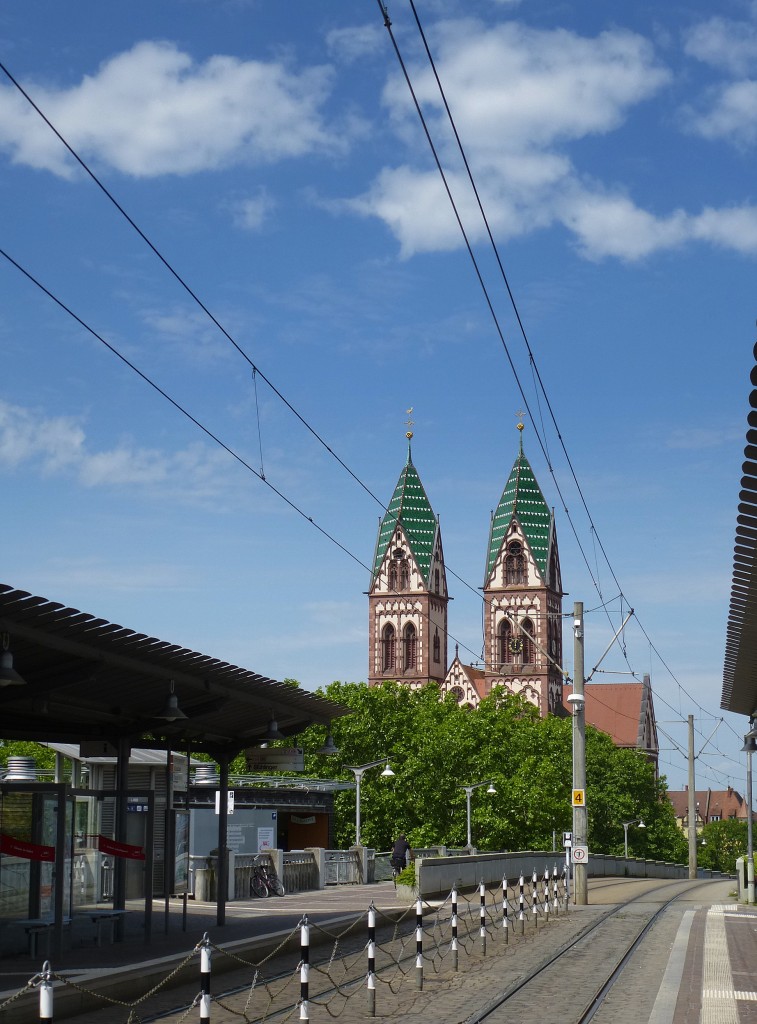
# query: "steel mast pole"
[580,817]
[692,811]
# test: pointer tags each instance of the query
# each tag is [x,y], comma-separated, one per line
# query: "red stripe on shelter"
[114,849]
[28,851]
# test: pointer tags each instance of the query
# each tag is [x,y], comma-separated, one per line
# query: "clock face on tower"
[516,645]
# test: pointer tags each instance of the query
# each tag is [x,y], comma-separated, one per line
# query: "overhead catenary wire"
[181,281]
[193,419]
[255,369]
[521,327]
[315,433]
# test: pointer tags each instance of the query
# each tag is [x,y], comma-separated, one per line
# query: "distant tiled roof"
[718,803]
[411,508]
[473,673]
[522,497]
[614,708]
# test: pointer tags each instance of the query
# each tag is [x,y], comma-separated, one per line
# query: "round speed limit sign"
[580,854]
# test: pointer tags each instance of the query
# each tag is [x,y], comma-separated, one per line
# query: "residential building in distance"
[710,805]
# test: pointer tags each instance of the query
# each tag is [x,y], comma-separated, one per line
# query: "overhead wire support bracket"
[609,646]
[385,12]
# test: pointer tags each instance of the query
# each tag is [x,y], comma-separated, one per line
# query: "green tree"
[724,842]
[43,756]
[437,747]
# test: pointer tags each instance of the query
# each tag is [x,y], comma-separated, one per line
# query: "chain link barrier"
[374,952]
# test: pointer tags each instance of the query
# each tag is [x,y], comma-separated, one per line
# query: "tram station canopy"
[82,678]
[740,666]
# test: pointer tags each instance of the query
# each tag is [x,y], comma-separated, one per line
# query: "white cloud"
[356,42]
[519,96]
[252,213]
[55,443]
[724,44]
[515,89]
[727,110]
[153,110]
[731,114]
[188,331]
[611,225]
[607,225]
[58,446]
[732,228]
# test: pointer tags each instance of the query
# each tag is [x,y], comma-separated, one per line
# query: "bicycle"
[258,882]
[397,867]
[266,873]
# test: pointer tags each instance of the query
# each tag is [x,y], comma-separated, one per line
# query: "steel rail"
[602,991]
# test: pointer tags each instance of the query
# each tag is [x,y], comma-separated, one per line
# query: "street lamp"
[358,772]
[468,791]
[633,821]
[749,747]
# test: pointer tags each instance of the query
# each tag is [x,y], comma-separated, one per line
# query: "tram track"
[619,949]
[572,971]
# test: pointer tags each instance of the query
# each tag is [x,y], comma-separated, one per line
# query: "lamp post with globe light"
[633,821]
[468,791]
[358,771]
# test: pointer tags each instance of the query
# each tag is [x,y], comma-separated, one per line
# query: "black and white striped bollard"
[505,915]
[546,895]
[372,961]
[46,993]
[482,915]
[565,888]
[304,970]
[555,892]
[521,906]
[418,943]
[455,962]
[205,980]
[535,898]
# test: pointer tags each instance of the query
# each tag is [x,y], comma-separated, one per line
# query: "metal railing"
[342,867]
[300,871]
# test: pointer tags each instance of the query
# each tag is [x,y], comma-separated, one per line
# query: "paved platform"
[697,966]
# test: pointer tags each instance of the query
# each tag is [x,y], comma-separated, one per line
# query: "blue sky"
[271,153]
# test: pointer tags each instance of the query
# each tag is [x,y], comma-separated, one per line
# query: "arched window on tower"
[515,564]
[437,648]
[504,635]
[392,576]
[436,581]
[388,648]
[529,651]
[404,575]
[410,644]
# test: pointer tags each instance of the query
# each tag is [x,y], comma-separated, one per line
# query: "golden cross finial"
[409,423]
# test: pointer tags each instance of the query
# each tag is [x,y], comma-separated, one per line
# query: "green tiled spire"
[523,498]
[411,508]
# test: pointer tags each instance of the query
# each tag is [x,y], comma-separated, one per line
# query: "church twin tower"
[522,592]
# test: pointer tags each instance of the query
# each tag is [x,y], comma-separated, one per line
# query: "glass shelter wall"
[51,865]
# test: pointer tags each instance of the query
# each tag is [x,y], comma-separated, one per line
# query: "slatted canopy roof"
[89,679]
[740,666]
